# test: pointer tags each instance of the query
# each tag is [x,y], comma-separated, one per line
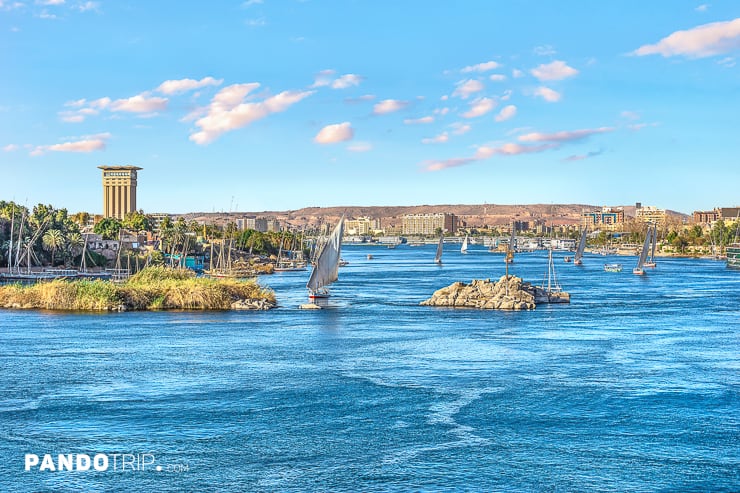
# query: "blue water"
[634,386]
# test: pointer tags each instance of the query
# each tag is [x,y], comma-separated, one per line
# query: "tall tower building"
[119,190]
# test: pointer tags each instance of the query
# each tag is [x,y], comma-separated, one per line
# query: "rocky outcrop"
[252,305]
[506,294]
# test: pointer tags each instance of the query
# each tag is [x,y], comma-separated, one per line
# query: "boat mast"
[18,245]
[10,248]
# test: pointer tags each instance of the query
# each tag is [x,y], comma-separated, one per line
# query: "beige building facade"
[428,224]
[119,190]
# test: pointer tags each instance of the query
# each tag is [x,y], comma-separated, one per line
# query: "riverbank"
[154,288]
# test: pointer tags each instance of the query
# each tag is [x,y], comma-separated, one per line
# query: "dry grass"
[155,288]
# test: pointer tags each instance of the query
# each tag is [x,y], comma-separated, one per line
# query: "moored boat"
[733,256]
[613,267]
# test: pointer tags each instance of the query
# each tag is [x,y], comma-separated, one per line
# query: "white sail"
[438,257]
[655,243]
[327,264]
[464,247]
[645,248]
[581,247]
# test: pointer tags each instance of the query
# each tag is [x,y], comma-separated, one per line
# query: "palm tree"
[75,242]
[52,240]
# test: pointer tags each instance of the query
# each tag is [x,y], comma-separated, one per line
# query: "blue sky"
[276,105]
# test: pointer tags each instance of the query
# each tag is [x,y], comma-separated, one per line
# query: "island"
[153,288]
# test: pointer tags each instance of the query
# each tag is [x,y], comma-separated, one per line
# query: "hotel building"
[428,224]
[119,190]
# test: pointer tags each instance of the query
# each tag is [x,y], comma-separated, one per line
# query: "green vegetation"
[154,288]
[108,228]
[48,236]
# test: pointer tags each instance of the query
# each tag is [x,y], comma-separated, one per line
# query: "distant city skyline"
[261,105]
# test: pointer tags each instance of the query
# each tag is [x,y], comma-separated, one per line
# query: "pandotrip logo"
[139,462]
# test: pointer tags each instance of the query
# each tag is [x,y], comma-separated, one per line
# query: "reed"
[154,288]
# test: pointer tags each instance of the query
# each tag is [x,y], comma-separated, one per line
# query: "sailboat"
[438,256]
[581,246]
[638,270]
[326,269]
[464,247]
[550,291]
[650,261]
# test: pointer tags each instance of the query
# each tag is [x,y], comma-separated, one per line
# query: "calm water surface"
[634,386]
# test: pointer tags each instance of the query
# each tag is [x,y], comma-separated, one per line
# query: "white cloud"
[228,111]
[360,147]
[460,128]
[345,81]
[141,103]
[389,106]
[49,2]
[506,95]
[480,107]
[10,148]
[702,41]
[71,117]
[441,111]
[183,85]
[556,70]
[258,22]
[332,134]
[87,143]
[497,77]
[727,62]
[466,88]
[630,115]
[416,121]
[702,8]
[323,78]
[87,6]
[547,94]
[438,139]
[564,136]
[506,113]
[480,67]
[544,50]
[249,3]
[486,152]
[516,73]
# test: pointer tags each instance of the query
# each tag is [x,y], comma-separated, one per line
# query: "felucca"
[326,269]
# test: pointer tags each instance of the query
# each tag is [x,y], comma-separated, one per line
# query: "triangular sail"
[581,246]
[438,257]
[464,247]
[645,248]
[655,242]
[513,237]
[327,264]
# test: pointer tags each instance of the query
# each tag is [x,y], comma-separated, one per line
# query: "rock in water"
[252,305]
[507,294]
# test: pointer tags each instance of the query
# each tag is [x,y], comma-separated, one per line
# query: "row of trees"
[41,236]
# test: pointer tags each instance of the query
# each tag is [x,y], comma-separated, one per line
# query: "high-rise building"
[428,224]
[119,190]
